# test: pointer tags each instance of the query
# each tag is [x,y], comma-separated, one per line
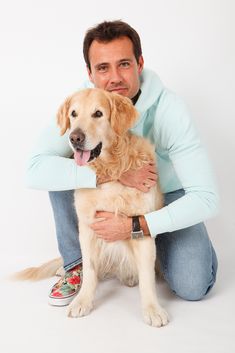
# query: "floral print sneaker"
[63,292]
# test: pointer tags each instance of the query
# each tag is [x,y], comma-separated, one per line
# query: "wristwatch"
[137,232]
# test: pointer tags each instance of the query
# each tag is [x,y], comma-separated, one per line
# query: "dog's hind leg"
[145,254]
[83,302]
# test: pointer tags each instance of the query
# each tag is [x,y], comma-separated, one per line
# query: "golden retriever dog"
[98,124]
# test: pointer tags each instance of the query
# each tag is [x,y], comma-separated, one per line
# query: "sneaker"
[63,292]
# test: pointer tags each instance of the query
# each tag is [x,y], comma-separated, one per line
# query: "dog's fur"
[131,261]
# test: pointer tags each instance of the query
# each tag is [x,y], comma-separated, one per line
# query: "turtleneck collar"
[135,98]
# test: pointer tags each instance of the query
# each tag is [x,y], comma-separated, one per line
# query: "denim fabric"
[187,257]
[66,223]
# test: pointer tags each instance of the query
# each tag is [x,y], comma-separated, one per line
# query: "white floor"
[29,324]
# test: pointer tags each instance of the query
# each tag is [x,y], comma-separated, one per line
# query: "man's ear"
[89,74]
[123,113]
[63,116]
[140,64]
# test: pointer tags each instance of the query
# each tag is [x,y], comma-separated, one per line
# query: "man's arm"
[50,166]
[175,132]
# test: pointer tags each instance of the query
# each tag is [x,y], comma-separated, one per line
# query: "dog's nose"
[77,137]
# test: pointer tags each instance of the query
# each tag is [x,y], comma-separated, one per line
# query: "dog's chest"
[115,197]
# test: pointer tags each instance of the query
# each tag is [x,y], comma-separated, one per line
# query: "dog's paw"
[79,308]
[60,272]
[155,316]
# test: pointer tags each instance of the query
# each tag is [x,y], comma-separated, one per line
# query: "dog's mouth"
[82,157]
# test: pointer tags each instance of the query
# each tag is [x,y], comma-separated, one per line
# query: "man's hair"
[108,31]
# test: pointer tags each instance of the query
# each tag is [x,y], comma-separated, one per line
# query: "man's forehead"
[116,50]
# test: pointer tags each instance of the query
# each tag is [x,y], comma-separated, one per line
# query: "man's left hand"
[111,227]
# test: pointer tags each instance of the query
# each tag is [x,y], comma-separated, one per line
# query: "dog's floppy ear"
[63,116]
[123,113]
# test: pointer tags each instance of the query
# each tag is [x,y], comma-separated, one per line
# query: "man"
[113,55]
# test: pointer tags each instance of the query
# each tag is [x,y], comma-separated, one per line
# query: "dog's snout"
[77,137]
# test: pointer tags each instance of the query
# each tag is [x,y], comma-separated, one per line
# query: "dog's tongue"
[82,157]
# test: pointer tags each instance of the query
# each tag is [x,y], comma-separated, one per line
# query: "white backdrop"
[190,44]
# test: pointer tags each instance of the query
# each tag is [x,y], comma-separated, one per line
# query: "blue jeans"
[187,258]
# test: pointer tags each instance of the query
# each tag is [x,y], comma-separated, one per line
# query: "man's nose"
[77,137]
[115,76]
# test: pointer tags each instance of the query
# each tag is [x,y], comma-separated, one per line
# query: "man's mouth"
[82,157]
[118,89]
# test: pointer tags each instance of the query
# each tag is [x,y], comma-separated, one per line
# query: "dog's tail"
[46,270]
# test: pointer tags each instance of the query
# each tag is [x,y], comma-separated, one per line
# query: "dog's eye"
[97,114]
[74,114]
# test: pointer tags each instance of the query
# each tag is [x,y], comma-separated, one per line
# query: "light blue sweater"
[182,160]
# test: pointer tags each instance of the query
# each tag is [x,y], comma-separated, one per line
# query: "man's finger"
[142,188]
[151,176]
[151,182]
[103,214]
[152,170]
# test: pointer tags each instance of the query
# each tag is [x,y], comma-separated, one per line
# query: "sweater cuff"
[158,222]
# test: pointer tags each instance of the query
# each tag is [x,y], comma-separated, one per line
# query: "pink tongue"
[82,157]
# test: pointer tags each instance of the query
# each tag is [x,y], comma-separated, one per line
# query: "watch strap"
[137,232]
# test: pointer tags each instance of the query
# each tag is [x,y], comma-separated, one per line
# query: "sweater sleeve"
[50,166]
[175,132]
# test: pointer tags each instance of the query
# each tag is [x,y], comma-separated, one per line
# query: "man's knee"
[192,289]
[191,294]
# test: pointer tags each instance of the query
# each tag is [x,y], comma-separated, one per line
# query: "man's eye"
[125,64]
[102,68]
[74,114]
[97,114]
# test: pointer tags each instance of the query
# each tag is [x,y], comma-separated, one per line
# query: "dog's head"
[94,118]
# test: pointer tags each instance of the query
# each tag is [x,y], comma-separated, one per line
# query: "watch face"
[137,235]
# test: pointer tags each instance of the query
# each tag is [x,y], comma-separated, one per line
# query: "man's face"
[114,66]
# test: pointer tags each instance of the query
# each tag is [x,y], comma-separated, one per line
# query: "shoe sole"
[61,301]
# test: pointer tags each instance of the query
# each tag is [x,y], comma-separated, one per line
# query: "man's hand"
[142,179]
[110,227]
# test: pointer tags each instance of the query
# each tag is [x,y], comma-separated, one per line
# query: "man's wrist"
[144,225]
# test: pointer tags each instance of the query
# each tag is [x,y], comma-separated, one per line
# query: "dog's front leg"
[83,302]
[145,254]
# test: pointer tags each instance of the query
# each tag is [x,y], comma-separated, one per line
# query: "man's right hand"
[142,179]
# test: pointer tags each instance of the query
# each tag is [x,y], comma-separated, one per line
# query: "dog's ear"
[123,113]
[63,116]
